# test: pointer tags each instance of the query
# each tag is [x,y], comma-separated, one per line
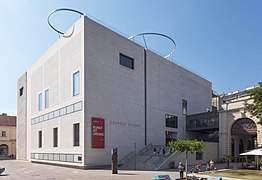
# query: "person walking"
[181,168]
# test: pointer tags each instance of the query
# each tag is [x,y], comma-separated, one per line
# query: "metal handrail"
[148,158]
[167,159]
[126,158]
[132,154]
[145,149]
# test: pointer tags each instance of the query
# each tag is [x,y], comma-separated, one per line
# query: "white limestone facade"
[132,102]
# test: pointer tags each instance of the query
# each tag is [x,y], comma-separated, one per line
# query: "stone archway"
[3,150]
[244,134]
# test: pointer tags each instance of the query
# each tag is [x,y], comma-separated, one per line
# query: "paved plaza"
[16,169]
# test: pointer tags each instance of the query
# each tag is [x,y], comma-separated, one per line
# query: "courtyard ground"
[20,170]
[16,169]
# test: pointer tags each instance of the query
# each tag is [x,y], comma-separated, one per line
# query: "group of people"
[210,167]
[161,151]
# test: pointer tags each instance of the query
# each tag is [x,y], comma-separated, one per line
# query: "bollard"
[114,161]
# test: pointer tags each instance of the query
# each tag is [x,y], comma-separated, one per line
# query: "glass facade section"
[72,158]
[58,113]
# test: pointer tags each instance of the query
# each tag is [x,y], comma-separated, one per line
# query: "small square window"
[3,133]
[126,61]
[78,106]
[56,113]
[69,109]
[79,158]
[45,117]
[51,115]
[171,121]
[62,111]
[199,156]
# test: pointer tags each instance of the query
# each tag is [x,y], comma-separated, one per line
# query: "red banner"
[98,133]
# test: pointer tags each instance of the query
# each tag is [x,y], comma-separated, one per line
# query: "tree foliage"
[255,108]
[187,146]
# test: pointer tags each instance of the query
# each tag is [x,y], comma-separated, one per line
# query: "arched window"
[3,150]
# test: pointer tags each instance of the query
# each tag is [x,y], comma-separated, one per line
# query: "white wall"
[113,92]
[116,93]
[168,84]
[54,71]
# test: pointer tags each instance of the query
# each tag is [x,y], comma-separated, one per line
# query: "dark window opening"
[39,139]
[21,91]
[76,134]
[184,107]
[171,121]
[199,156]
[55,136]
[3,133]
[126,61]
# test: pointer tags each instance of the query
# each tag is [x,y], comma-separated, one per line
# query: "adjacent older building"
[7,136]
[97,90]
[238,130]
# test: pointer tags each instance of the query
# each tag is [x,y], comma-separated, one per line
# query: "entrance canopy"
[254,152]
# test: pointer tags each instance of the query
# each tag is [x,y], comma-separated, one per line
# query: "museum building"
[97,90]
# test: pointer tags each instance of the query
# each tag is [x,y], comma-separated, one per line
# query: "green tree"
[255,108]
[187,146]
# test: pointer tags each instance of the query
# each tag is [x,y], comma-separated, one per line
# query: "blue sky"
[220,40]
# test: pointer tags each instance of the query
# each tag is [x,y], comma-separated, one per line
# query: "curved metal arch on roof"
[170,55]
[62,9]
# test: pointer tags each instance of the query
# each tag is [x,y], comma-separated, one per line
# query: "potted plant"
[228,159]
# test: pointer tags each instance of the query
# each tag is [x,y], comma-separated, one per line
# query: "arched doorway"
[244,134]
[3,150]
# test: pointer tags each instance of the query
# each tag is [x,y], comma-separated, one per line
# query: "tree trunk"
[186,164]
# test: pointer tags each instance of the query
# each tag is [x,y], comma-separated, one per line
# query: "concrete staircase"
[147,159]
